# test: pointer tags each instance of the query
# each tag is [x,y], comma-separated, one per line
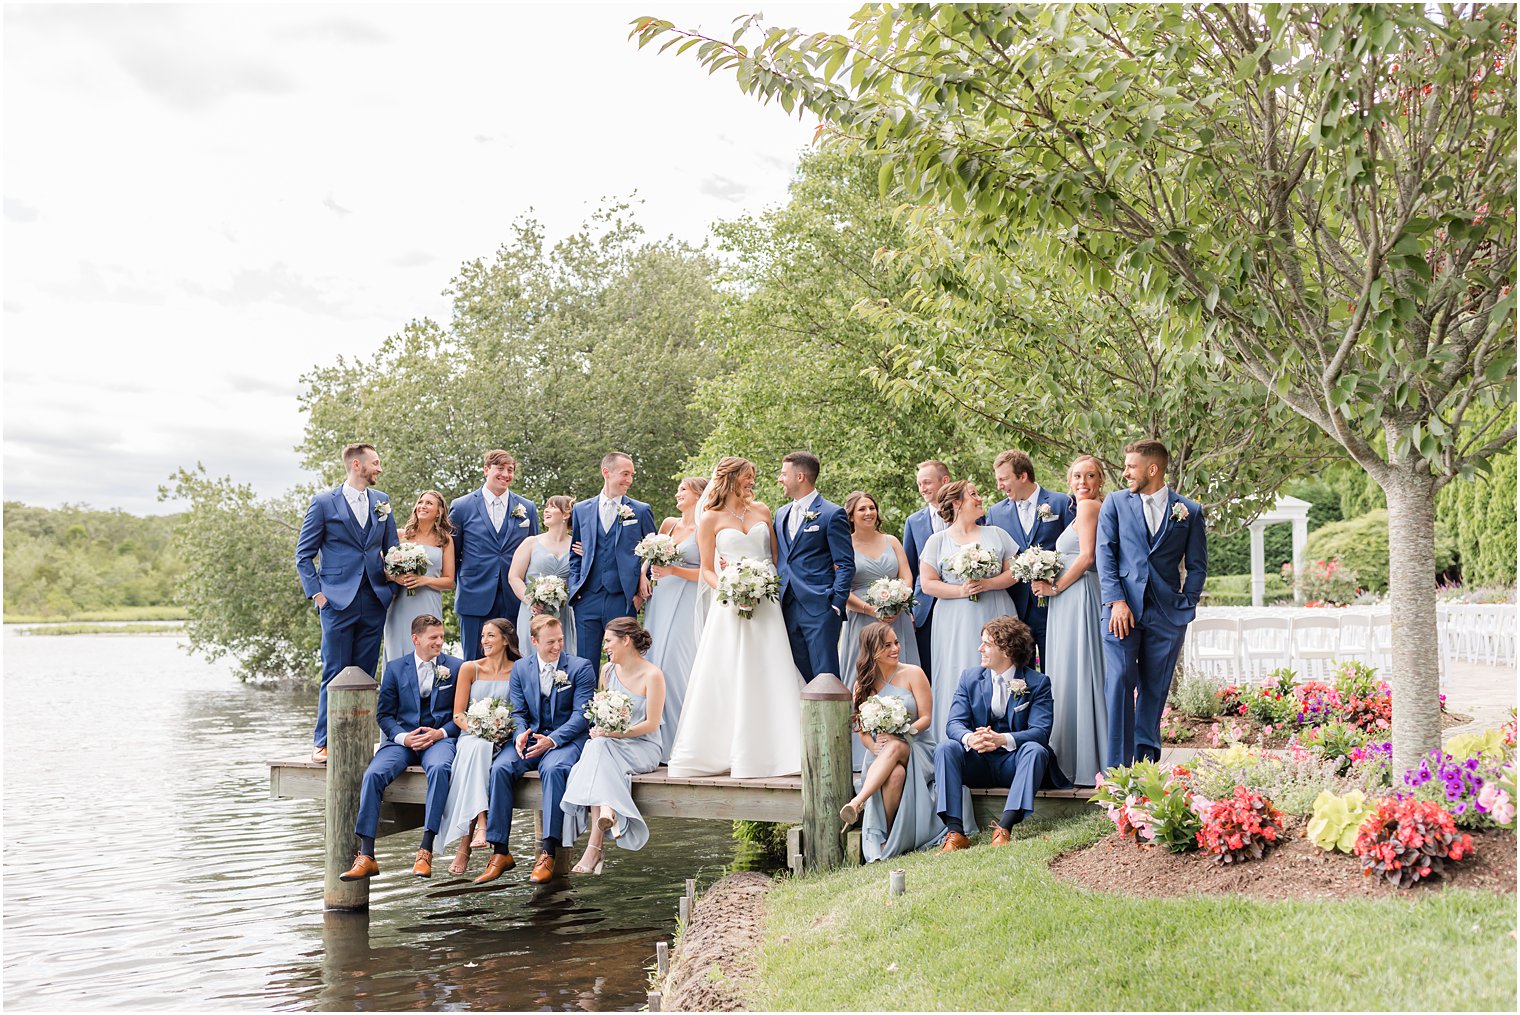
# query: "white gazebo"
[1287,509]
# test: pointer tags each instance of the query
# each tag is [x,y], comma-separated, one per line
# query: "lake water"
[146,866]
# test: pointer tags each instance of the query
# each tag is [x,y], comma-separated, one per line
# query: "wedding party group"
[1022,645]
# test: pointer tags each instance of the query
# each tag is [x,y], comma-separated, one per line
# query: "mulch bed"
[716,956]
[1198,729]
[1294,869]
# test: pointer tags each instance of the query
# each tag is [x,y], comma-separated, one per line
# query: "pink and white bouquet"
[657,550]
[406,558]
[489,719]
[973,563]
[548,591]
[610,710]
[890,597]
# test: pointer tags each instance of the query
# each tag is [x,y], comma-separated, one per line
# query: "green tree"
[64,561]
[1324,193]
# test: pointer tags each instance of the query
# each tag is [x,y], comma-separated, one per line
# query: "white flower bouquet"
[1037,565]
[657,550]
[406,558]
[745,582]
[890,597]
[973,563]
[610,710]
[489,719]
[548,591]
[884,716]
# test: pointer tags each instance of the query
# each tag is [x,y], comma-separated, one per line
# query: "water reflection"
[145,865]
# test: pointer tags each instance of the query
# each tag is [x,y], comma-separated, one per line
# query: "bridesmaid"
[896,798]
[546,553]
[490,676]
[669,615]
[603,777]
[958,618]
[1074,635]
[429,527]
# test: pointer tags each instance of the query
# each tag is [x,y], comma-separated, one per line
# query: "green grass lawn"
[104,616]
[61,629]
[993,929]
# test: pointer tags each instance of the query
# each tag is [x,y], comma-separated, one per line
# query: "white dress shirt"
[1026,508]
[425,672]
[545,683]
[496,507]
[796,515]
[937,522]
[1000,703]
[1155,509]
[358,503]
[608,509]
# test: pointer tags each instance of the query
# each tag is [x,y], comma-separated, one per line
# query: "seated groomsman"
[350,528]
[489,524]
[1033,516]
[550,691]
[998,733]
[921,524]
[415,712]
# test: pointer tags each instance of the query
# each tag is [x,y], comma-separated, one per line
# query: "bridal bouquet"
[657,550]
[745,582]
[884,716]
[1037,565]
[890,597]
[489,719]
[974,562]
[406,558]
[610,710]
[548,591]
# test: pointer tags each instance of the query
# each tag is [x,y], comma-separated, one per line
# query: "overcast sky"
[202,203]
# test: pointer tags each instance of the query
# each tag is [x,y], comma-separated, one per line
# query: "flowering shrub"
[1406,840]
[1317,702]
[1326,582]
[1478,792]
[1150,805]
[1173,729]
[1241,827]
[1334,741]
[1226,736]
[1232,700]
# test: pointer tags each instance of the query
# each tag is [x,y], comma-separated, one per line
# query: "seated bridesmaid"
[603,777]
[490,676]
[896,802]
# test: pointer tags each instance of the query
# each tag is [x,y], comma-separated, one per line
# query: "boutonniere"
[559,678]
[1043,513]
[442,673]
[810,516]
[518,511]
[625,512]
[1179,512]
[1017,688]
[383,510]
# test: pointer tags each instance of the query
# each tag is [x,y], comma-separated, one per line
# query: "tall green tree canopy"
[1324,194]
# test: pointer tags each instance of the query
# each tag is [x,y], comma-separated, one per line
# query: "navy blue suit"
[482,560]
[560,715]
[352,577]
[916,532]
[1023,770]
[815,570]
[400,709]
[1144,573]
[604,576]
[1005,515]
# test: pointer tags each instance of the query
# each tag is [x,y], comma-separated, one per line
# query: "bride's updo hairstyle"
[627,627]
[725,480]
[950,497]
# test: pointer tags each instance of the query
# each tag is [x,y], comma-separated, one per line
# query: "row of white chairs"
[1477,633]
[1246,649]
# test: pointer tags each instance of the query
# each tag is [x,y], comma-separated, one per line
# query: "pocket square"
[811,528]
[523,524]
[1020,708]
[630,521]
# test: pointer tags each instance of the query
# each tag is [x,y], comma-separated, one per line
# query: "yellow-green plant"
[1337,819]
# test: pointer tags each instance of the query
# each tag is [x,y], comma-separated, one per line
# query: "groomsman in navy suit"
[922,524]
[998,734]
[607,580]
[816,562]
[350,529]
[550,691]
[1033,516]
[1145,534]
[415,711]
[489,523]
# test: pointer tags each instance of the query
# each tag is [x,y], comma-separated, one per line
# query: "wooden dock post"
[826,770]
[351,733]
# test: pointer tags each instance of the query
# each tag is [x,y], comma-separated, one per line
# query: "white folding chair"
[1356,638]
[1316,643]
[1382,644]
[1266,644]
[1213,647]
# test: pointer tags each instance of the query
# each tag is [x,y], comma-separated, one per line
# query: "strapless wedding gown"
[743,711]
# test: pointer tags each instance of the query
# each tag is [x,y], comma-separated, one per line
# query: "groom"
[489,525]
[1145,534]
[350,528]
[816,563]
[606,579]
[1033,516]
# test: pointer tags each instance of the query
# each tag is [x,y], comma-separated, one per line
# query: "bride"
[742,712]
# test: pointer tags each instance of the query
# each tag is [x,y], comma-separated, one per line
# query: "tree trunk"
[1416,676]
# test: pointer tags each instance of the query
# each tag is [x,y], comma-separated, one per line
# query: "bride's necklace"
[738,515]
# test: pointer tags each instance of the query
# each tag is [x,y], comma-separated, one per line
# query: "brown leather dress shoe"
[543,869]
[319,755]
[423,868]
[499,864]
[364,867]
[954,841]
[1001,836]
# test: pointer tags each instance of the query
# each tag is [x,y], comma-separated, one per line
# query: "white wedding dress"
[743,711]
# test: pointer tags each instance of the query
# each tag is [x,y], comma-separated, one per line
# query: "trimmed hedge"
[1362,545]
[1235,590]
[1481,514]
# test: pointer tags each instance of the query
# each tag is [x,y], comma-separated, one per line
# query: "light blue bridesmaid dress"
[957,634]
[868,570]
[404,608]
[470,780]
[1074,644]
[541,561]
[669,617]
[603,777]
